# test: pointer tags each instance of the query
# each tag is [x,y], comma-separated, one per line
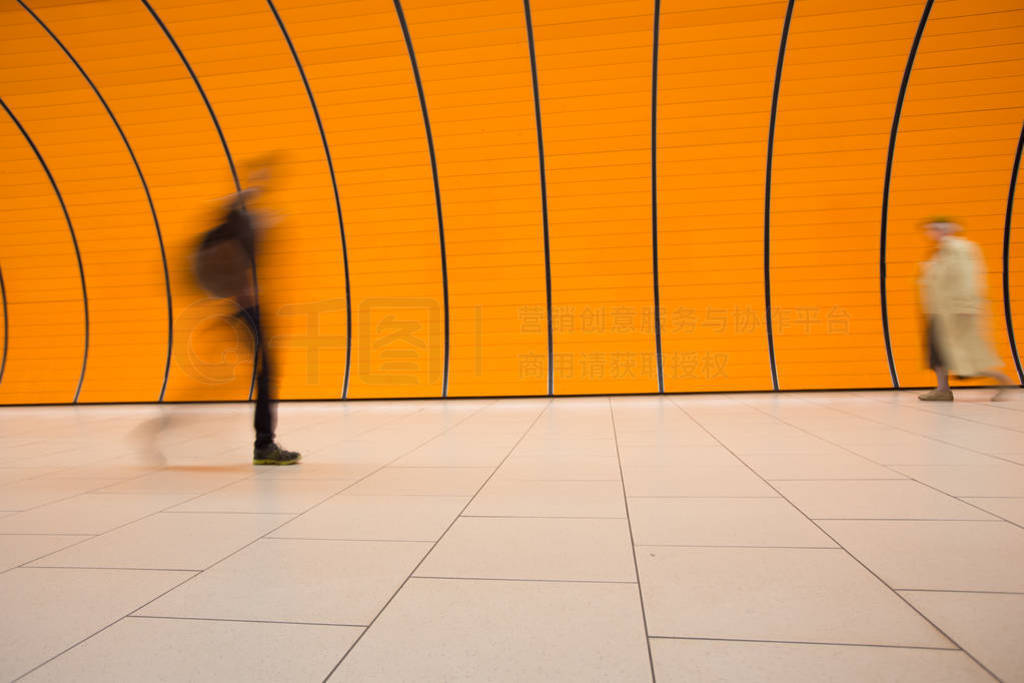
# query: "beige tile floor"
[859,536]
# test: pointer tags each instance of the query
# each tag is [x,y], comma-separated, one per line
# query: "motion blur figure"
[224,265]
[952,293]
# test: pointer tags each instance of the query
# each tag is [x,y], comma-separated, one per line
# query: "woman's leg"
[1002,383]
[941,392]
[999,377]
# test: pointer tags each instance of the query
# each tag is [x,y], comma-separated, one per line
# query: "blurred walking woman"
[952,293]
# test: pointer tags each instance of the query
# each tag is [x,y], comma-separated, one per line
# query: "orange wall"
[961,124]
[716,72]
[426,246]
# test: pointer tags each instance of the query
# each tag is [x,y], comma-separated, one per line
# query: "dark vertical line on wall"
[337,198]
[437,186]
[199,87]
[7,327]
[654,194]
[74,241]
[1006,256]
[145,187]
[543,194]
[886,186]
[768,195]
[227,153]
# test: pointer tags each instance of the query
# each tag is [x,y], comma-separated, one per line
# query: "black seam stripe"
[1006,256]
[199,87]
[337,200]
[768,195]
[145,187]
[543,194]
[227,153]
[654,194]
[437,186]
[74,241]
[886,186]
[3,298]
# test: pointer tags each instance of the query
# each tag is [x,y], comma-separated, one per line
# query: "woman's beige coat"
[952,292]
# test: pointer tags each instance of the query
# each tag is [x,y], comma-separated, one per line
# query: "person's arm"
[966,273]
[263,220]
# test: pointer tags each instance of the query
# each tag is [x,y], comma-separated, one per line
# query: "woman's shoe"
[937,395]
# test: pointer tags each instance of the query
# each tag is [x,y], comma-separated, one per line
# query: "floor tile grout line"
[512,449]
[809,642]
[568,480]
[903,590]
[121,526]
[886,466]
[963,499]
[441,467]
[993,497]
[190,578]
[632,543]
[891,468]
[748,547]
[32,533]
[956,590]
[790,479]
[406,495]
[118,569]
[383,423]
[93,635]
[159,493]
[515,580]
[82,493]
[904,519]
[903,429]
[844,548]
[347,540]
[127,480]
[924,409]
[775,497]
[338,493]
[538,517]
[60,469]
[244,621]
[298,478]
[251,475]
[39,476]
[1001,405]
[293,513]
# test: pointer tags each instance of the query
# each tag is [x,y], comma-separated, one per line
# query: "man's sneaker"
[937,395]
[272,454]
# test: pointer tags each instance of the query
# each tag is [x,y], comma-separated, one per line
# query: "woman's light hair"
[943,224]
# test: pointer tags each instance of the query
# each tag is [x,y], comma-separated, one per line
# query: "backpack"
[221,265]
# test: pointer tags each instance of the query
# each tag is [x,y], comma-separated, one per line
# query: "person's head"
[259,172]
[938,227]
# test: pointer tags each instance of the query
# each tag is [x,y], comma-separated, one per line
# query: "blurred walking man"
[224,265]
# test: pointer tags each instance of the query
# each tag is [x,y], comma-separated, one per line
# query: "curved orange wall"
[500,197]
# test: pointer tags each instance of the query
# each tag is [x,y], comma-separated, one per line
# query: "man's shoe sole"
[275,462]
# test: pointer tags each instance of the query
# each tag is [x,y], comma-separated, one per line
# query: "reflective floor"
[795,537]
